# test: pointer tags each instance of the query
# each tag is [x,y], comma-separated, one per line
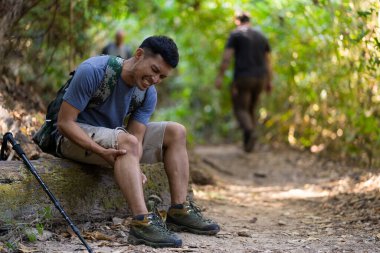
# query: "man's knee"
[128,142]
[175,132]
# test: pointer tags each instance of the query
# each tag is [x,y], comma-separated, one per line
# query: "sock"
[139,217]
[177,206]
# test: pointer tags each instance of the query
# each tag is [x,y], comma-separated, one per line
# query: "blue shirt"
[112,112]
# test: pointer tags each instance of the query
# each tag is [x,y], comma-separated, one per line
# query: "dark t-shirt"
[250,47]
[122,51]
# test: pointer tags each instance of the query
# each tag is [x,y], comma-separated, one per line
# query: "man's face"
[150,69]
[119,38]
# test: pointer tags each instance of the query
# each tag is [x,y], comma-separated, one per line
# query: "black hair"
[163,46]
[243,17]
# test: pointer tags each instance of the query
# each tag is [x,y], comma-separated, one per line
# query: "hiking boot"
[149,229]
[249,141]
[188,217]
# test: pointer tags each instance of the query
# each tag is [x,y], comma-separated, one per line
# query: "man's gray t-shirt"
[111,113]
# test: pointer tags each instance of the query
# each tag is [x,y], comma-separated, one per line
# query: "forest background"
[326,57]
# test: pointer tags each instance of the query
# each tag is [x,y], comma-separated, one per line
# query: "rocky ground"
[273,200]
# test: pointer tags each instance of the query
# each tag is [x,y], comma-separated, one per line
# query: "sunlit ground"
[249,195]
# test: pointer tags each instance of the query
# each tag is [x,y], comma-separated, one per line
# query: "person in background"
[252,73]
[118,48]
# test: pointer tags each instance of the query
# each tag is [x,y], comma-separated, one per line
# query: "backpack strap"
[138,97]
[110,79]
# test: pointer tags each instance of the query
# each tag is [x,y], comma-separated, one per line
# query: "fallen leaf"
[25,249]
[127,221]
[71,232]
[96,235]
[65,234]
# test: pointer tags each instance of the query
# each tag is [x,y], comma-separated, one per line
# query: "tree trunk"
[10,13]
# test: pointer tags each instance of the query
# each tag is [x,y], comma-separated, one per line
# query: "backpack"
[45,137]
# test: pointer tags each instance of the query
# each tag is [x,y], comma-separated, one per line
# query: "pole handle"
[16,147]
[4,146]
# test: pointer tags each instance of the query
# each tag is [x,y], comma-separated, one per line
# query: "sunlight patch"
[299,194]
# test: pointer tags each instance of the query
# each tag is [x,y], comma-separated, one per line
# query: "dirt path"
[273,200]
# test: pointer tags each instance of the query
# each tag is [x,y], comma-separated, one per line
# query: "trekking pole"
[16,147]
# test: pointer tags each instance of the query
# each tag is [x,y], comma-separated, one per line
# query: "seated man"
[95,135]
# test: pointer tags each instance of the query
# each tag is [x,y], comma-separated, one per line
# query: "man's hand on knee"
[111,154]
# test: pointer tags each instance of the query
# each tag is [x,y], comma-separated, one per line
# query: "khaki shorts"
[107,138]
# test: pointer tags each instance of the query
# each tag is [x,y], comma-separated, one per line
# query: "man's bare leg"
[182,215]
[144,227]
[176,161]
[128,175]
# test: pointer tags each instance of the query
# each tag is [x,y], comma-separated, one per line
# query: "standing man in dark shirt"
[118,48]
[252,74]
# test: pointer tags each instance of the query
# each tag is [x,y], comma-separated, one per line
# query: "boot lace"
[197,210]
[157,221]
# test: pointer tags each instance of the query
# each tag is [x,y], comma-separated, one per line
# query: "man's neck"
[244,25]
[127,72]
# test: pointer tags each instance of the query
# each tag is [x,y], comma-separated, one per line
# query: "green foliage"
[45,214]
[19,232]
[31,237]
[325,55]
[40,228]
[330,87]
[11,246]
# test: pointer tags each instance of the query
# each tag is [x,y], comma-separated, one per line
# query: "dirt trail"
[273,200]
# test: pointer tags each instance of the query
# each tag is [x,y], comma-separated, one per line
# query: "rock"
[259,174]
[117,221]
[243,233]
[43,235]
[86,193]
[253,220]
[201,177]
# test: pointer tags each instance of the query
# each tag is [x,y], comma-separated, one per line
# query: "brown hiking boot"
[149,229]
[188,217]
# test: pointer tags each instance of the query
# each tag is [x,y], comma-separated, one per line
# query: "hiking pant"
[245,96]
[107,138]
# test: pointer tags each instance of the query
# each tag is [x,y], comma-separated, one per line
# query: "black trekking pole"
[9,137]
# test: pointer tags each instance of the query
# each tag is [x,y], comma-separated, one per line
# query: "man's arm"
[268,86]
[226,60]
[70,129]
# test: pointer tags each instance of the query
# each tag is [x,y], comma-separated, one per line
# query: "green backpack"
[45,137]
